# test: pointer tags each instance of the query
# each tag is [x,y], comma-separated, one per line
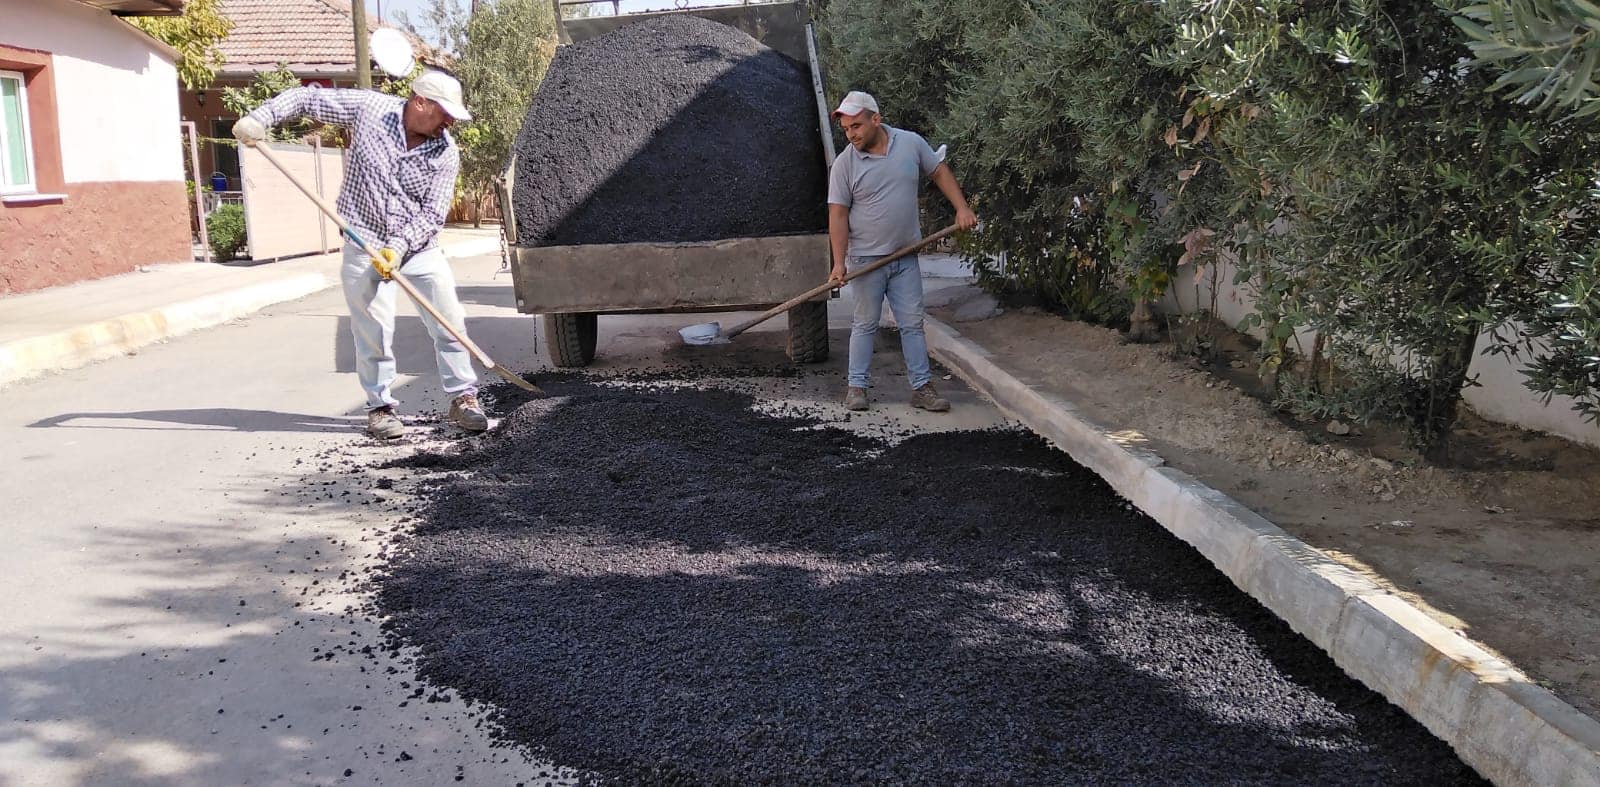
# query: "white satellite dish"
[392,52]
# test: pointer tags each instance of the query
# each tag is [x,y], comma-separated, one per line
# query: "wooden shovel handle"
[400,279]
[825,287]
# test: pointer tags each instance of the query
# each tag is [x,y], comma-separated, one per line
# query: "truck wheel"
[571,338]
[808,332]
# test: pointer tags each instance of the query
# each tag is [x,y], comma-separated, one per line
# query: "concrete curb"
[1511,730]
[85,344]
[22,359]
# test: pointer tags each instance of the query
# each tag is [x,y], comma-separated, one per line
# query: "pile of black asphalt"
[674,129]
[670,584]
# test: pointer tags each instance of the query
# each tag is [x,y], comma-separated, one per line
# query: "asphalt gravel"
[658,584]
[674,129]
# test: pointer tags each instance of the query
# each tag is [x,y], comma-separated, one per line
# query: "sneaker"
[926,398]
[383,424]
[466,413]
[855,398]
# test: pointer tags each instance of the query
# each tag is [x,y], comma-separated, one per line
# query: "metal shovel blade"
[704,333]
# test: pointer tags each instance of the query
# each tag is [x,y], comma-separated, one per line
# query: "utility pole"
[358,15]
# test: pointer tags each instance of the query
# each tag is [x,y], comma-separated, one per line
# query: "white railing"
[216,199]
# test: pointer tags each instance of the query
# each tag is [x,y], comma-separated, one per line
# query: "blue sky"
[388,7]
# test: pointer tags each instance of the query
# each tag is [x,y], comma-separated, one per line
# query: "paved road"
[167,594]
[180,602]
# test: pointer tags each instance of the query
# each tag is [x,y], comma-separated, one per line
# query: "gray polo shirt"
[881,192]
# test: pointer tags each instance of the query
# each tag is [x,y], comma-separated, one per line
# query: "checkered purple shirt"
[390,194]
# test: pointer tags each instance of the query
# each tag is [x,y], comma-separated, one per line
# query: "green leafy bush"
[1546,52]
[225,231]
[1399,208]
[1053,118]
[1350,157]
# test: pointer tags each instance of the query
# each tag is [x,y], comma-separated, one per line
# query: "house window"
[16,151]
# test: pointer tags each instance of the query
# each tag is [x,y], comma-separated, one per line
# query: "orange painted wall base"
[100,229]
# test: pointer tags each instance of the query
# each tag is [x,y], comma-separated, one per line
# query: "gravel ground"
[672,129]
[658,585]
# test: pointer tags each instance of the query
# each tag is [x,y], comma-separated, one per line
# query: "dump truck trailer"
[571,286]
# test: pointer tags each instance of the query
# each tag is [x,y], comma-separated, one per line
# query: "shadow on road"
[205,674]
[209,418]
[413,347]
[414,355]
[212,641]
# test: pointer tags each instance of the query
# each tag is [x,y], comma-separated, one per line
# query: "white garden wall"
[1499,396]
[116,90]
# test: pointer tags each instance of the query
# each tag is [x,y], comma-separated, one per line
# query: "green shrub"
[1545,54]
[1414,210]
[1349,155]
[225,231]
[1052,114]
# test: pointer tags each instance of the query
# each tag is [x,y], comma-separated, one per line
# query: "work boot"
[466,413]
[855,398]
[926,398]
[383,424]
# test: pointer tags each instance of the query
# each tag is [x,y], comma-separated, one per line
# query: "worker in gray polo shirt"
[872,211]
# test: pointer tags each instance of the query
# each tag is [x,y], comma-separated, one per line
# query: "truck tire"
[808,332]
[571,338]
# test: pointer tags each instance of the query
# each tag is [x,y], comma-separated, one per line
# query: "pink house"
[91,168]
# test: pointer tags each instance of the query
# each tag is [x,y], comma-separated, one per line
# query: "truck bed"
[730,274]
[721,275]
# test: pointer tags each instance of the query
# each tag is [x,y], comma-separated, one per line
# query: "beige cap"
[443,89]
[855,102]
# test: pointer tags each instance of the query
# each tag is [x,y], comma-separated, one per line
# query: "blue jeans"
[371,302]
[901,282]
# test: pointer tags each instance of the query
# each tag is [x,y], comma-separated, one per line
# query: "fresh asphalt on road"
[177,603]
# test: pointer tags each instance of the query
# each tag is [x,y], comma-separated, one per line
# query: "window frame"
[31,186]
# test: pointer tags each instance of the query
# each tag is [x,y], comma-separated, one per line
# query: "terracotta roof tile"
[308,35]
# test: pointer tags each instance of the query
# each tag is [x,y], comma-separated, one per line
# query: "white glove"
[249,131]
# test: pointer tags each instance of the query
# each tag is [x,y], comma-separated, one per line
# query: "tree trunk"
[1313,375]
[1142,324]
[1274,367]
[1437,402]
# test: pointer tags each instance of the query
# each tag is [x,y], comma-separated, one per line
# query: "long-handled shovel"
[400,279]
[712,333]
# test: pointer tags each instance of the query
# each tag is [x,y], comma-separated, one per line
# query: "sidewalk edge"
[1510,729]
[34,356]
[37,355]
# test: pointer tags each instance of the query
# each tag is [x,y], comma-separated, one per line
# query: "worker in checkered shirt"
[399,180]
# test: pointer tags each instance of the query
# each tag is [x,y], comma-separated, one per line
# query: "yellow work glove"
[386,261]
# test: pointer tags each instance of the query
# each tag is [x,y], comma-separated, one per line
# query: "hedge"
[225,231]
[1349,157]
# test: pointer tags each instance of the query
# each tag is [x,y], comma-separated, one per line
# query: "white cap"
[855,102]
[444,89]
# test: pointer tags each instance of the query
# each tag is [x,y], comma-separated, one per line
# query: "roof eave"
[323,70]
[139,7]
